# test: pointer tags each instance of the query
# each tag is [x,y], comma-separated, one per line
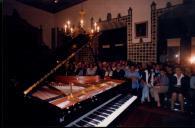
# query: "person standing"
[133,75]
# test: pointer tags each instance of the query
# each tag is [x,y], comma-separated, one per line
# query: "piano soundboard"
[63,98]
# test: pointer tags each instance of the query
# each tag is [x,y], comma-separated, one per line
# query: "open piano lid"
[66,91]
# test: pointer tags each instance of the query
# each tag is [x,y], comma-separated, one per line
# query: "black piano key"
[88,125]
[92,116]
[116,107]
[102,114]
[81,123]
[101,110]
[124,100]
[105,111]
[91,121]
[98,118]
[118,103]
[111,108]
[108,108]
[74,125]
[121,102]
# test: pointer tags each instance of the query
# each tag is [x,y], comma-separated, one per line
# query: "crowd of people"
[147,79]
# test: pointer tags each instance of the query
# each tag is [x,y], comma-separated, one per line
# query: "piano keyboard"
[104,114]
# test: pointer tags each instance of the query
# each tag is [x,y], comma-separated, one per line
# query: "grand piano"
[79,101]
[84,101]
[56,100]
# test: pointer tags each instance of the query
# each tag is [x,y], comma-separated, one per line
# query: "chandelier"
[71,30]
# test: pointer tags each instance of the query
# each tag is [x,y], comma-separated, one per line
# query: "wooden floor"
[145,115]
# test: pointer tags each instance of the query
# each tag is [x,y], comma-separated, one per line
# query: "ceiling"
[51,6]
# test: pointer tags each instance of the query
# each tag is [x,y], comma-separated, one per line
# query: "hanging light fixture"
[56,1]
[70,30]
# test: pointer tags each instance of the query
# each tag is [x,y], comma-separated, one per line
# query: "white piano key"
[116,113]
[110,117]
[87,114]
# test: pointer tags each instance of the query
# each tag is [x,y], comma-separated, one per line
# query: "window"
[141,29]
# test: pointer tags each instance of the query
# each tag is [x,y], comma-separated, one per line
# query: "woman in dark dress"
[179,87]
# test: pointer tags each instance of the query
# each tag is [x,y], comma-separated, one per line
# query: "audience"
[149,79]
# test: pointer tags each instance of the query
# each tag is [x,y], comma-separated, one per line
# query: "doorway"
[113,44]
[173,50]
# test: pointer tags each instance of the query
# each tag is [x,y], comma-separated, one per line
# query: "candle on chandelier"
[95,25]
[68,22]
[82,22]
[71,30]
[192,60]
[98,28]
[92,31]
[65,27]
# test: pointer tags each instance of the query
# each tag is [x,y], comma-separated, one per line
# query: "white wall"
[93,8]
[35,17]
[99,9]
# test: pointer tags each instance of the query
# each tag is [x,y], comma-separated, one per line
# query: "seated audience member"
[154,74]
[144,73]
[100,70]
[118,73]
[113,66]
[80,69]
[134,76]
[161,85]
[91,70]
[70,69]
[170,75]
[108,72]
[179,87]
[192,89]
